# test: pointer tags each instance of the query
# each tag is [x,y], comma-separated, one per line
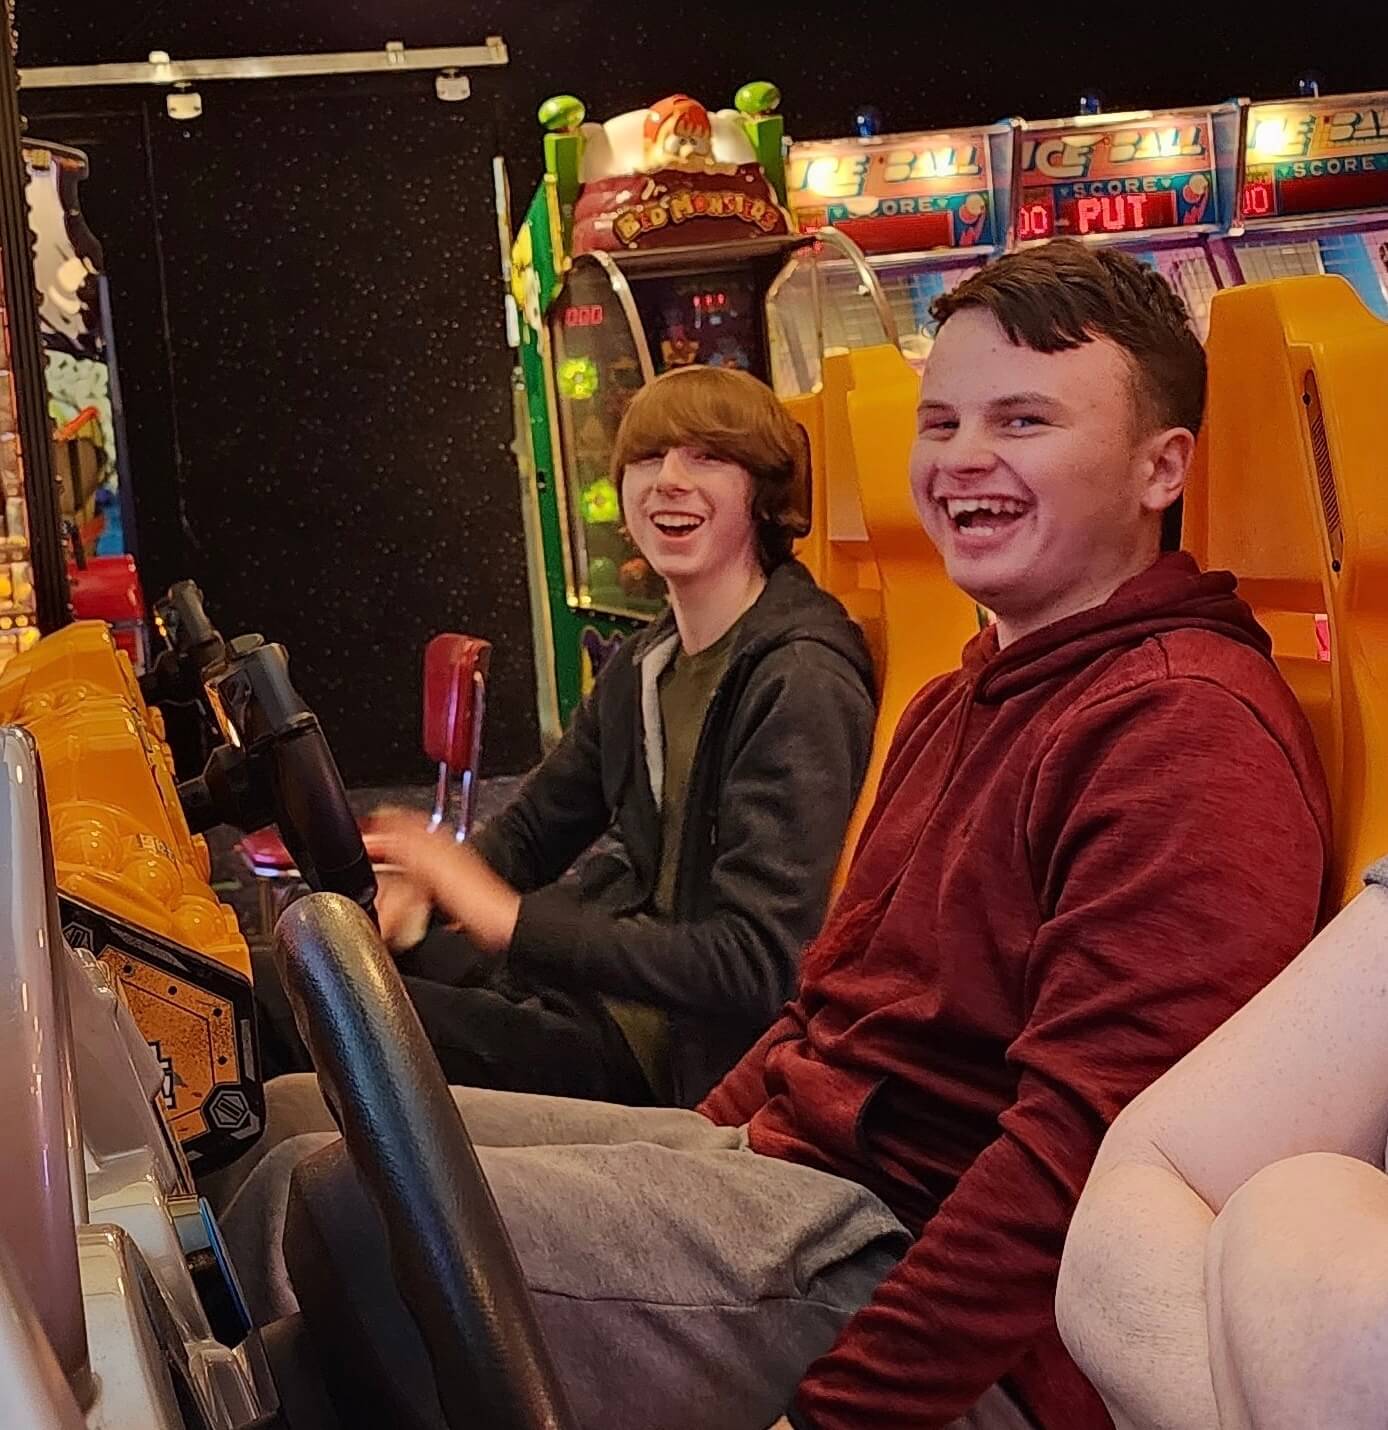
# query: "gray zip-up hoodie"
[777,771]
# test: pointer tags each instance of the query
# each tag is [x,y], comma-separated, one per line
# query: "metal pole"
[47,547]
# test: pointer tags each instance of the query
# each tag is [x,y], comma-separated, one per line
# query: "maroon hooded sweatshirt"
[1088,850]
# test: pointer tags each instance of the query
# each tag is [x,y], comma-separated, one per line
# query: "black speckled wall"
[335,468]
[319,431]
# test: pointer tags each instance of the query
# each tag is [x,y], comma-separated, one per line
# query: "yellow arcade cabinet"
[134,880]
[898,220]
[133,870]
[1288,493]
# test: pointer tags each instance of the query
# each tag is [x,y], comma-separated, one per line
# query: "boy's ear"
[1168,458]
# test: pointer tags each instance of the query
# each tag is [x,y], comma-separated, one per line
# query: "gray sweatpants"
[667,1260]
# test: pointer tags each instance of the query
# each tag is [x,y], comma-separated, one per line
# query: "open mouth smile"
[676,523]
[983,516]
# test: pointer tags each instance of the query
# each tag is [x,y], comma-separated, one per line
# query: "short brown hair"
[731,416]
[1064,293]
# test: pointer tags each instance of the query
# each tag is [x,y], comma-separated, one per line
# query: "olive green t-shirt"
[686,687]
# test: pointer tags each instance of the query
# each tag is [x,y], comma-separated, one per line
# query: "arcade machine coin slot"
[1161,183]
[1314,194]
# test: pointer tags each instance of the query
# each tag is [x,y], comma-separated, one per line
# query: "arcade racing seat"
[1288,493]
[926,618]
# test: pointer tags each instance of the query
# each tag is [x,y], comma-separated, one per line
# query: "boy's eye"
[1026,419]
[939,424]
[701,457]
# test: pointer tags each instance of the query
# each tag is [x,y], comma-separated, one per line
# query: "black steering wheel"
[451,1258]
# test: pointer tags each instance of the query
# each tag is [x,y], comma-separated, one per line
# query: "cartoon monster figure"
[678,134]
[638,579]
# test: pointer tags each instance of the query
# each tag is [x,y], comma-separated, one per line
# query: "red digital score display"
[894,233]
[1040,217]
[1120,213]
[1259,199]
[583,315]
[1301,194]
[1036,218]
[1332,193]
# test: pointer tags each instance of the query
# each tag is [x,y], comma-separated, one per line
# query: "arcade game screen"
[597,370]
[709,318]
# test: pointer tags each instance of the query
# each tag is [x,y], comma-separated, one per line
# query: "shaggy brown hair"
[735,418]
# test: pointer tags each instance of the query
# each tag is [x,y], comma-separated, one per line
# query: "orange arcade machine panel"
[134,885]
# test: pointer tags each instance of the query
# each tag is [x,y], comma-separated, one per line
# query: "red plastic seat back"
[109,590]
[453,707]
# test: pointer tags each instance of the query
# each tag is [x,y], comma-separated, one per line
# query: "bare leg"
[1297,1284]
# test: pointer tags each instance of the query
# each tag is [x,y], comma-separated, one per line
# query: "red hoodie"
[1087,851]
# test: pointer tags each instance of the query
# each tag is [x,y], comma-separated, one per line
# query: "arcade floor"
[234,882]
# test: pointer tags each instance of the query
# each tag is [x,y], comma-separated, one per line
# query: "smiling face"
[1033,474]
[690,513]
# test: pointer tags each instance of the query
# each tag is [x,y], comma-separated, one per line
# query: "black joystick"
[175,682]
[276,768]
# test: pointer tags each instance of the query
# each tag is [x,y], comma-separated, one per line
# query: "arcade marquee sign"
[895,192]
[1313,157]
[674,207]
[1119,178]
[679,206]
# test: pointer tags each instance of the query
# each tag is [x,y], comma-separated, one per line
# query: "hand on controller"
[452,877]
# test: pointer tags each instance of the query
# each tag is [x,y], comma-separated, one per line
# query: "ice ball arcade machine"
[1163,184]
[1315,194]
[650,244]
[925,210]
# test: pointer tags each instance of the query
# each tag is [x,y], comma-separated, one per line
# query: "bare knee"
[1297,1285]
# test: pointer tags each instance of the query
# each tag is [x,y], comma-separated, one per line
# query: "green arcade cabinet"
[650,244]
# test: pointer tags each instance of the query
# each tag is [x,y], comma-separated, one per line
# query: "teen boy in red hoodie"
[1092,843]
